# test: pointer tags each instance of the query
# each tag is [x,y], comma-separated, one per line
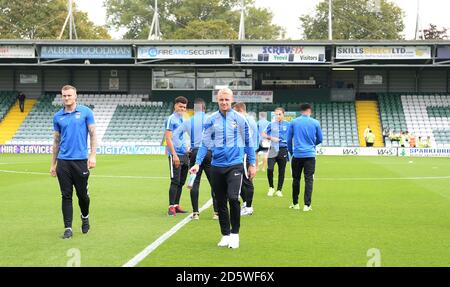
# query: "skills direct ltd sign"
[383,52]
[183,52]
[283,54]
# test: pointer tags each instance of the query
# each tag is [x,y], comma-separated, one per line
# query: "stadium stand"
[391,109]
[141,123]
[7,99]
[13,118]
[129,119]
[104,107]
[37,127]
[428,115]
[338,119]
[338,122]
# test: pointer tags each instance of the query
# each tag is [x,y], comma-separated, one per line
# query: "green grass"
[359,203]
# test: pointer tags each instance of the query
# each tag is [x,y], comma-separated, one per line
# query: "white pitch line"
[381,178]
[258,178]
[152,247]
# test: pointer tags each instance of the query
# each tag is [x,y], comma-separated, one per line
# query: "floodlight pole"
[70,19]
[155,32]
[330,23]
[417,20]
[242,23]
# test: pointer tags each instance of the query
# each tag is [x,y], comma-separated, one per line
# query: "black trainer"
[85,225]
[67,233]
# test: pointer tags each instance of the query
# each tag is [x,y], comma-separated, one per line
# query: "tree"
[355,20]
[208,29]
[433,33]
[43,19]
[191,19]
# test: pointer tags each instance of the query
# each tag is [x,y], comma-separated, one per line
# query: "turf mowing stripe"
[152,247]
[258,178]
[101,176]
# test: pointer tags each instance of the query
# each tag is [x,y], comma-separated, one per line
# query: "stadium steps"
[367,114]
[14,119]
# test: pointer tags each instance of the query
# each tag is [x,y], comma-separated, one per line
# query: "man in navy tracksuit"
[227,133]
[303,136]
[276,132]
[248,188]
[178,155]
[194,128]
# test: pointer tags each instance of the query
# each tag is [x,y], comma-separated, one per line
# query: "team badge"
[77,115]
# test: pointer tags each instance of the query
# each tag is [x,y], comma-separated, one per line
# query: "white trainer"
[244,204]
[279,193]
[307,208]
[271,191]
[246,211]
[234,241]
[225,241]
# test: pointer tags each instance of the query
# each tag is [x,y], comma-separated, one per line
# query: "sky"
[287,12]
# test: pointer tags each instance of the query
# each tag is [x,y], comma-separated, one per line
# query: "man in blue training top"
[263,143]
[178,155]
[248,189]
[227,133]
[194,128]
[70,161]
[276,132]
[303,137]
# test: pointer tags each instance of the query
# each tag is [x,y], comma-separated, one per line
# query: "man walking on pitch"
[70,161]
[276,132]
[178,155]
[263,143]
[194,128]
[303,136]
[248,189]
[227,133]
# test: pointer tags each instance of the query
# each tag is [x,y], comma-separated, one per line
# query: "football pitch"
[395,209]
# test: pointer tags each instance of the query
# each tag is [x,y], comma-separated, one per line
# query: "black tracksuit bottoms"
[177,178]
[73,173]
[205,166]
[281,159]
[248,189]
[227,183]
[309,166]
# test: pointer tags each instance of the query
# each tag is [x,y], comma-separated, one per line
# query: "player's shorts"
[262,149]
